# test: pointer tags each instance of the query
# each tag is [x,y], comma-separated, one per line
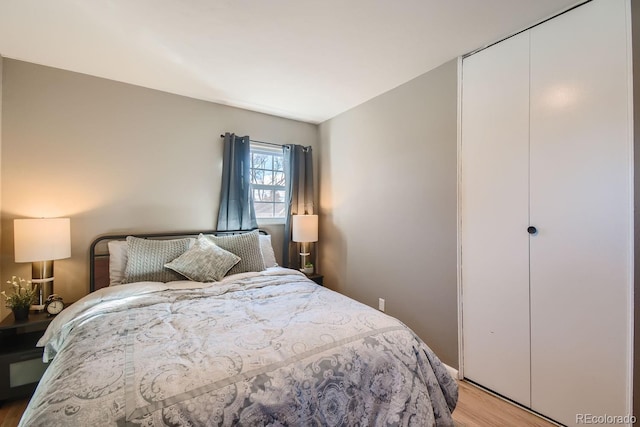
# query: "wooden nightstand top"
[34,319]
[318,278]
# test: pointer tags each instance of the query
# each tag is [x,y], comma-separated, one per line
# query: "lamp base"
[303,259]
[42,278]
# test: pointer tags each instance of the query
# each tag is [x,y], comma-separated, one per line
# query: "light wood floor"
[479,408]
[475,408]
[11,411]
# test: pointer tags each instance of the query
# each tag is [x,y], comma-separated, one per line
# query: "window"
[267,181]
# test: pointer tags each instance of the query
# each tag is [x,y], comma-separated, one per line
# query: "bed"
[254,348]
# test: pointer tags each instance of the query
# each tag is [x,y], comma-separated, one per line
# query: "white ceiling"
[304,59]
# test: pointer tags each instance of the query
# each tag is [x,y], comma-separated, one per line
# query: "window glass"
[267,181]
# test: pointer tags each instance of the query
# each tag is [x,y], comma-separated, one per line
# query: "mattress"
[267,348]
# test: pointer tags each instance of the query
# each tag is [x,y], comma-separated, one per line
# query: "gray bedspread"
[256,349]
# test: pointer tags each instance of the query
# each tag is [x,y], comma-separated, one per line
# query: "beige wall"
[388,205]
[114,158]
[120,158]
[1,79]
[635,31]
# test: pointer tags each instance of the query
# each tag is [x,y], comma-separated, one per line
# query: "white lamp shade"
[43,239]
[305,228]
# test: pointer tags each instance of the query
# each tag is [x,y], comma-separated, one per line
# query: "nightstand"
[318,278]
[21,365]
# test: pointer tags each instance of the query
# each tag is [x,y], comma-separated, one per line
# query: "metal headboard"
[99,252]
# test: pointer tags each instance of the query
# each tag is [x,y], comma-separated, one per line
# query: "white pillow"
[267,251]
[118,255]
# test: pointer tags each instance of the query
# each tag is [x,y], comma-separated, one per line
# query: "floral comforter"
[255,349]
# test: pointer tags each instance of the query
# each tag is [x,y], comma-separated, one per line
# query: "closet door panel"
[580,203]
[494,198]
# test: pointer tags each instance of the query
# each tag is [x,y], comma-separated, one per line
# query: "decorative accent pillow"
[147,259]
[266,248]
[204,262]
[117,261]
[246,246]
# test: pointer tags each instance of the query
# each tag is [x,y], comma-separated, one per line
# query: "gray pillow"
[204,262]
[147,258]
[246,246]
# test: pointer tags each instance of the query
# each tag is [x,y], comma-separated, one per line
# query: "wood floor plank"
[11,411]
[477,408]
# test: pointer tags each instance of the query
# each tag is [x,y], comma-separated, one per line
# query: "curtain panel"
[298,167]
[236,201]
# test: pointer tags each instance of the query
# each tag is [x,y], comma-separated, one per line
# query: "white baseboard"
[452,371]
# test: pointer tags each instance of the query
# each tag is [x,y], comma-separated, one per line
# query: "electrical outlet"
[381,304]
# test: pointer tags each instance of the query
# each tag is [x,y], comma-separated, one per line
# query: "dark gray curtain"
[298,167]
[236,201]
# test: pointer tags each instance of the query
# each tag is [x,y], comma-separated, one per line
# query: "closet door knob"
[532,230]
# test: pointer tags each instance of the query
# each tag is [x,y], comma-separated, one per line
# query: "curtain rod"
[262,142]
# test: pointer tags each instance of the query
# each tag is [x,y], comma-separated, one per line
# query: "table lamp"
[305,231]
[41,241]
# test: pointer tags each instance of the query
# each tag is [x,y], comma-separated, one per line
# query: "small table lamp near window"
[41,241]
[305,231]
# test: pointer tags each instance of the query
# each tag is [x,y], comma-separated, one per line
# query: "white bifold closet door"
[546,142]
[495,216]
[581,204]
